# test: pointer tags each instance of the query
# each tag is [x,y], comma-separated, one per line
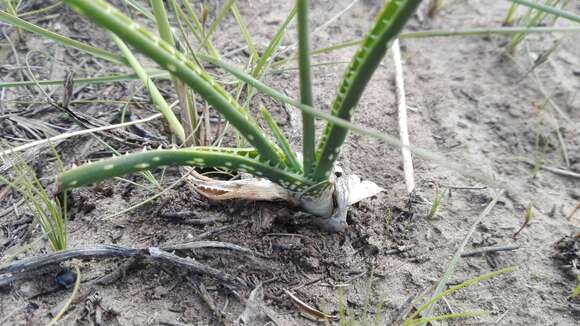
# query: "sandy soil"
[469,102]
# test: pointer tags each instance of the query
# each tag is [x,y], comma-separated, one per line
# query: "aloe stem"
[389,23]
[308,134]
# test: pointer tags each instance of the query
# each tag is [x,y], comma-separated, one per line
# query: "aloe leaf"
[27,26]
[177,63]
[233,159]
[308,134]
[389,23]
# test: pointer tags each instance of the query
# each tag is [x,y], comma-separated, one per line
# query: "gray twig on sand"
[487,250]
[213,248]
[212,245]
[29,265]
[557,171]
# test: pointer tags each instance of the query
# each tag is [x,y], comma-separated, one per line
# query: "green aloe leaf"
[242,160]
[309,136]
[368,57]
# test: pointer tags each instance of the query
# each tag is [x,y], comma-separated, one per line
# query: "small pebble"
[66,278]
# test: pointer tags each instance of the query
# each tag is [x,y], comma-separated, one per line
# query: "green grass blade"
[214,25]
[533,18]
[27,26]
[550,10]
[197,157]
[154,93]
[49,214]
[183,18]
[10,8]
[388,24]
[457,255]
[177,63]
[244,29]
[456,315]
[509,19]
[140,8]
[456,288]
[274,44]
[41,10]
[308,134]
[200,30]
[444,33]
[152,73]
[188,114]
[282,141]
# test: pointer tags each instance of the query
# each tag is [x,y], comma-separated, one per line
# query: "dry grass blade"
[402,110]
[308,311]
[67,135]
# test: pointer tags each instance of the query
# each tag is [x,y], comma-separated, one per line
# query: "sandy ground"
[467,100]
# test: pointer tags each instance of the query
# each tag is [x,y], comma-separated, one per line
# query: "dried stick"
[213,248]
[557,171]
[30,265]
[211,245]
[487,250]
[34,263]
[402,111]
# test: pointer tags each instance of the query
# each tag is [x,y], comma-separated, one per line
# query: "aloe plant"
[312,183]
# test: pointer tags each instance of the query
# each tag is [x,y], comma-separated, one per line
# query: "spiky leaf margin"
[368,57]
[243,160]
